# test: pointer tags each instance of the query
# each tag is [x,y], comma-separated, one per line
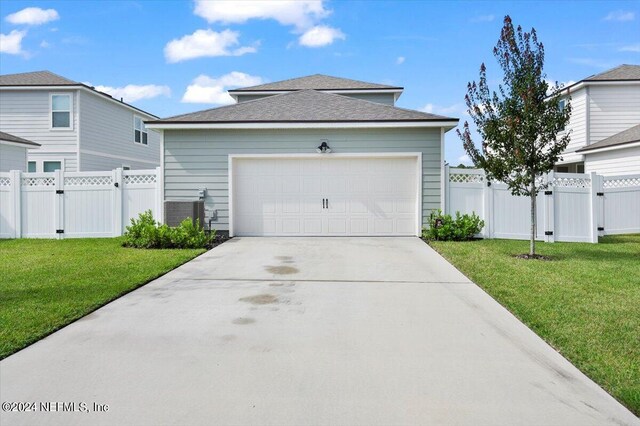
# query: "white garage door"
[328,195]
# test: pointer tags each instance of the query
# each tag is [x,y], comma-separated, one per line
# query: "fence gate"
[574,207]
[75,204]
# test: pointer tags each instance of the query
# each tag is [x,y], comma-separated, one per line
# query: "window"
[125,167]
[61,111]
[31,166]
[51,166]
[562,169]
[580,168]
[139,131]
[562,103]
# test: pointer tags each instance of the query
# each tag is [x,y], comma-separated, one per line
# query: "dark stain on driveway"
[243,321]
[260,299]
[282,270]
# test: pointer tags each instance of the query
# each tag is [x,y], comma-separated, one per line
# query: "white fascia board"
[610,148]
[582,84]
[448,125]
[86,89]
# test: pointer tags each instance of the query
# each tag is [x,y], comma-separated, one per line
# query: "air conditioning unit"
[177,211]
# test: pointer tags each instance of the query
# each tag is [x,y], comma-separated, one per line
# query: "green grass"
[585,302]
[46,284]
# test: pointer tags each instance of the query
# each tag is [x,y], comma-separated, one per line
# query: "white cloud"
[44,44]
[483,18]
[320,35]
[631,48]
[205,43]
[455,109]
[134,92]
[465,159]
[12,43]
[301,14]
[620,15]
[400,60]
[33,16]
[213,90]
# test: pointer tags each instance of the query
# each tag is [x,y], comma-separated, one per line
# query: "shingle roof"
[12,138]
[36,78]
[621,72]
[315,82]
[304,106]
[628,136]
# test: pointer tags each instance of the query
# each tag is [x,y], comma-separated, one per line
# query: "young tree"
[518,124]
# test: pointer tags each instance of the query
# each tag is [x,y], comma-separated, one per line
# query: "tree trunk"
[532,243]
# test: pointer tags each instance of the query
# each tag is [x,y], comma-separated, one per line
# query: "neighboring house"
[314,155]
[13,152]
[605,110]
[78,127]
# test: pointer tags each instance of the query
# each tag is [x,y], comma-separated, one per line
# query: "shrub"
[145,232]
[444,227]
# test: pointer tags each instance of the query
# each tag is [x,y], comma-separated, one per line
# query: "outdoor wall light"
[323,148]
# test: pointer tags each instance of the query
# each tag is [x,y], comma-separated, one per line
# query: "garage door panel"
[290,185]
[313,225]
[337,226]
[359,226]
[291,206]
[366,196]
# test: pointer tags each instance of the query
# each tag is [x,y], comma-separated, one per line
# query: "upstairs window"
[139,131]
[61,111]
[562,103]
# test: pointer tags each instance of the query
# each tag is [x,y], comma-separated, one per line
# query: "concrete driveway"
[277,331]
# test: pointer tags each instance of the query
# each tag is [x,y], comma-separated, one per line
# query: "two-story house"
[78,127]
[604,124]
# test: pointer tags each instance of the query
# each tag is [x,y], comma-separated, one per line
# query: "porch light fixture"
[323,148]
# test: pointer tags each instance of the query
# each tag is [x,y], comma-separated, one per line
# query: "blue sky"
[174,57]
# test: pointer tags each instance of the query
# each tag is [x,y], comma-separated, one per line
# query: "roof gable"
[48,79]
[305,106]
[315,82]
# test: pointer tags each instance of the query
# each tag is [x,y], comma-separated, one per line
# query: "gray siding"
[613,109]
[381,98]
[26,113]
[107,128]
[13,158]
[96,162]
[199,158]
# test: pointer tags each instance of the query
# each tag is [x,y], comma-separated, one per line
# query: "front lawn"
[585,302]
[46,284]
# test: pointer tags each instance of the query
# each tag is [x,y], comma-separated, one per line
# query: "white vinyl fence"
[75,204]
[575,207]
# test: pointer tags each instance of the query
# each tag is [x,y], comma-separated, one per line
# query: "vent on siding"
[177,211]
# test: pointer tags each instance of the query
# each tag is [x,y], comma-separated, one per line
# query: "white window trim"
[146,130]
[40,163]
[416,155]
[51,95]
